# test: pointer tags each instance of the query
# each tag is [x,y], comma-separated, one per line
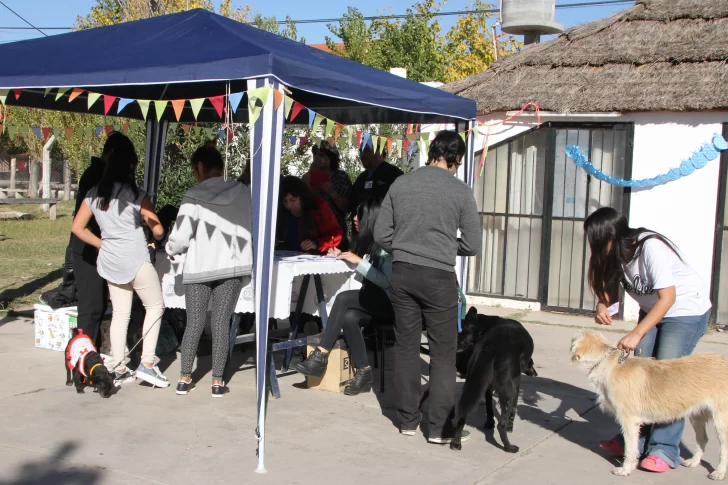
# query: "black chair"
[381,329]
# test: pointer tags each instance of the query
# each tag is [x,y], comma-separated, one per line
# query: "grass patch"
[32,251]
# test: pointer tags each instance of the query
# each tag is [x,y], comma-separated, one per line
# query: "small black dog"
[84,366]
[492,354]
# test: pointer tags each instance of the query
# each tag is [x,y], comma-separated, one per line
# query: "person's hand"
[350,258]
[334,252]
[603,317]
[327,188]
[308,245]
[629,342]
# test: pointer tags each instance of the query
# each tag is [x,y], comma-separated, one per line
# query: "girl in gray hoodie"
[213,230]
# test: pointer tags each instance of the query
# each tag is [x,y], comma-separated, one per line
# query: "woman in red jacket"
[307,223]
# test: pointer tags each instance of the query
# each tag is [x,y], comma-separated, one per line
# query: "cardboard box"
[339,370]
[53,327]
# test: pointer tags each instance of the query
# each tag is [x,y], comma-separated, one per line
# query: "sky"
[63,13]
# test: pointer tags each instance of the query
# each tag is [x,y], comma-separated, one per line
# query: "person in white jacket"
[213,230]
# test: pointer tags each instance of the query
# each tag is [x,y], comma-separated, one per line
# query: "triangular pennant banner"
[329,127]
[36,130]
[159,107]
[390,142]
[367,140]
[178,105]
[46,132]
[125,127]
[47,91]
[318,119]
[292,140]
[303,140]
[17,93]
[57,132]
[173,127]
[11,131]
[234,100]
[399,148]
[297,107]
[144,106]
[253,112]
[123,103]
[311,117]
[75,94]
[277,99]
[464,136]
[358,138]
[92,98]
[3,96]
[337,130]
[186,128]
[218,102]
[405,146]
[69,132]
[221,133]
[108,129]
[61,92]
[108,103]
[287,104]
[196,106]
[375,142]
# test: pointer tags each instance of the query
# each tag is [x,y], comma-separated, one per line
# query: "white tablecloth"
[288,272]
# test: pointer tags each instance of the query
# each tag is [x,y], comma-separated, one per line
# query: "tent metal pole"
[156,139]
[266,140]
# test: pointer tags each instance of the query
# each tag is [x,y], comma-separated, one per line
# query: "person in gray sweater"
[418,225]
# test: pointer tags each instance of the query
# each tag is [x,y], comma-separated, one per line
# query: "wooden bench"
[52,203]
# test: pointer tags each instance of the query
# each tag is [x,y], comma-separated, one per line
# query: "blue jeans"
[672,338]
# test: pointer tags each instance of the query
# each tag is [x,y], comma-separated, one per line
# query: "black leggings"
[352,310]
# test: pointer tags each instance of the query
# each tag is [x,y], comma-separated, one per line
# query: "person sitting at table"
[307,223]
[333,184]
[355,308]
[213,229]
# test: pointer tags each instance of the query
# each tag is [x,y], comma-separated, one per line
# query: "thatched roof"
[658,55]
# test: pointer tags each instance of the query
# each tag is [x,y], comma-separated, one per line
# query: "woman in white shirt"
[674,310]
[120,209]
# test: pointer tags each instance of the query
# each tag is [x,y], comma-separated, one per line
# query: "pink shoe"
[613,446]
[654,464]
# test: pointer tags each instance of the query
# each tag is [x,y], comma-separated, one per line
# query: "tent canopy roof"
[194,54]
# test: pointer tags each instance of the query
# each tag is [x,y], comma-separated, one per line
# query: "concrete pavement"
[51,435]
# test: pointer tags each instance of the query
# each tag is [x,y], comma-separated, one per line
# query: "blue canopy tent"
[198,54]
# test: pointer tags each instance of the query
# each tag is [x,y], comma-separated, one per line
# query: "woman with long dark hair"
[355,308]
[674,310]
[121,209]
[306,222]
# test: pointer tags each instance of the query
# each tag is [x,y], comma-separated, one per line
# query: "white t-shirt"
[658,267]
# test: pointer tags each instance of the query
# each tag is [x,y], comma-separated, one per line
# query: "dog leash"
[625,354]
[126,355]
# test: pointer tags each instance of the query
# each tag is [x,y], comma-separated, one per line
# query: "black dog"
[84,366]
[492,354]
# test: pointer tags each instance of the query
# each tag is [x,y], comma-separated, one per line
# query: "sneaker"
[219,390]
[152,376]
[654,464]
[122,377]
[613,446]
[408,432]
[184,387]
[442,440]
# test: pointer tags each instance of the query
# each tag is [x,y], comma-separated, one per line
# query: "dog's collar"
[90,373]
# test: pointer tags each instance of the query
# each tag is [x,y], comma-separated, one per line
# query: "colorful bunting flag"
[399,148]
[69,132]
[288,104]
[220,133]
[144,107]
[405,146]
[108,103]
[125,127]
[47,91]
[464,136]
[218,102]
[329,127]
[56,132]
[75,94]
[196,105]
[318,119]
[123,103]
[297,107]
[277,99]
[11,132]
[17,93]
[337,130]
[292,140]
[303,140]
[367,139]
[36,131]
[159,107]
[311,117]
[390,142]
[358,138]
[108,129]
[3,96]
[375,142]
[61,92]
[92,98]
[98,130]
[234,100]
[186,128]
[178,105]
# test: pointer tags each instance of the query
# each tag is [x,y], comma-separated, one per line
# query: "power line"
[385,17]
[21,18]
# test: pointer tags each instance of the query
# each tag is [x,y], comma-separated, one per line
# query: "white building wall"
[683,210]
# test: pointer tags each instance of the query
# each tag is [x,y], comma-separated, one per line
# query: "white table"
[288,272]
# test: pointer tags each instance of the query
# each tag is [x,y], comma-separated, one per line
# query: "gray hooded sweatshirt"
[213,228]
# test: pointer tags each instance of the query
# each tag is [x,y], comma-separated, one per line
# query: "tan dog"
[647,391]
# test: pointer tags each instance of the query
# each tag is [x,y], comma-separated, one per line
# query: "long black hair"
[294,186]
[367,213]
[607,262]
[120,168]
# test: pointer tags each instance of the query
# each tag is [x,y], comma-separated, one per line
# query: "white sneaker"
[151,375]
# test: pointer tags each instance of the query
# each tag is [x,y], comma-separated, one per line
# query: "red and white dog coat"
[77,350]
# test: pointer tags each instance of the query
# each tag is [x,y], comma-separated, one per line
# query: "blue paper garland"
[709,151]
